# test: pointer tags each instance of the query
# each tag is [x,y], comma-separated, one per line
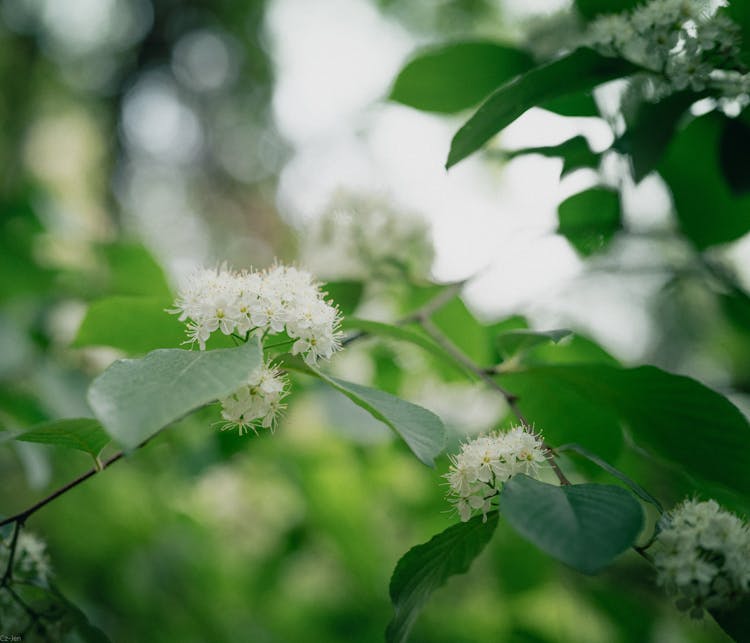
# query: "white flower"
[481,467]
[702,556]
[257,402]
[282,298]
[366,238]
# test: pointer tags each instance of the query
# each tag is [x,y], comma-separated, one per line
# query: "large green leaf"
[606,466]
[674,417]
[585,525]
[422,430]
[132,324]
[135,398]
[580,70]
[590,219]
[650,128]
[707,211]
[575,154]
[82,434]
[426,567]
[456,76]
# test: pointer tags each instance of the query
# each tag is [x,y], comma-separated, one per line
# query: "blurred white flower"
[257,402]
[702,556]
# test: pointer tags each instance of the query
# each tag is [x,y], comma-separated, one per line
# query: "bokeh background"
[141,138]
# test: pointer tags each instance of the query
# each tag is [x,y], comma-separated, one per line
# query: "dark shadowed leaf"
[585,526]
[734,153]
[707,210]
[575,154]
[580,70]
[606,466]
[135,398]
[735,622]
[456,76]
[425,568]
[650,128]
[674,417]
[590,219]
[592,8]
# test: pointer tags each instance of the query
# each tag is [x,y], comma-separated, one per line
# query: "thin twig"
[8,575]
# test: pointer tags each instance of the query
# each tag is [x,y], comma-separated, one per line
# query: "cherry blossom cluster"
[268,302]
[361,237]
[257,402]
[688,42]
[478,472]
[702,556]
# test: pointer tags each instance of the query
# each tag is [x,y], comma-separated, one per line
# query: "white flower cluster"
[282,298]
[702,555]
[258,402]
[365,238]
[477,473]
[687,41]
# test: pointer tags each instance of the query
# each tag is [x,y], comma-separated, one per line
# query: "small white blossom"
[478,472]
[257,402]
[702,556]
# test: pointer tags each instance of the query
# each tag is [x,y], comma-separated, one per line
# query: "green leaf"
[707,211]
[733,153]
[132,324]
[650,128]
[134,271]
[580,70]
[674,417]
[422,430]
[514,342]
[585,526]
[426,567]
[735,622]
[401,333]
[82,434]
[456,76]
[575,154]
[464,330]
[136,398]
[345,294]
[590,219]
[634,486]
[576,104]
[592,8]
[739,11]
